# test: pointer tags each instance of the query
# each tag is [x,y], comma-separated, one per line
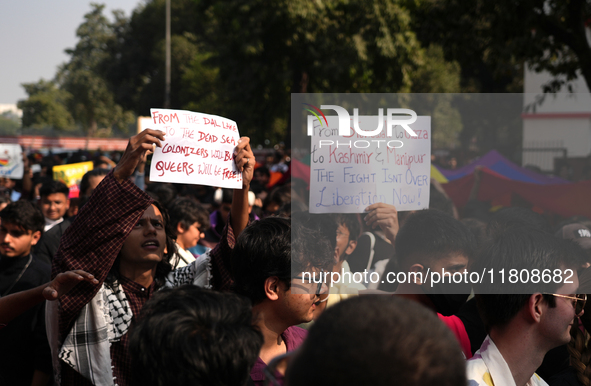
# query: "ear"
[351,247]
[417,268]
[67,203]
[272,288]
[35,237]
[536,305]
[180,229]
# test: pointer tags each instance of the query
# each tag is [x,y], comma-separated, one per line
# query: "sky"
[34,35]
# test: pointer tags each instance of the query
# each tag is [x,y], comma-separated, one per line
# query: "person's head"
[223,199]
[292,207]
[515,216]
[193,336]
[21,226]
[378,340]
[347,233]
[268,263]
[435,240]
[90,180]
[54,202]
[438,200]
[4,200]
[149,245]
[521,249]
[262,176]
[278,197]
[188,219]
[163,193]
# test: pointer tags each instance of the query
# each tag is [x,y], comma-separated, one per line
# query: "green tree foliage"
[435,75]
[493,39]
[136,71]
[93,103]
[9,123]
[267,50]
[242,59]
[46,106]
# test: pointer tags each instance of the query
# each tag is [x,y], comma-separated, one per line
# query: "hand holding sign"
[137,146]
[386,217]
[245,161]
[199,149]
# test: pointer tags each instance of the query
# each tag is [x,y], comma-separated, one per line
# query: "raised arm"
[245,162]
[94,240]
[220,255]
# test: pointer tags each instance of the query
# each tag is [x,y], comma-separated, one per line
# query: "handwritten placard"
[11,161]
[347,174]
[198,149]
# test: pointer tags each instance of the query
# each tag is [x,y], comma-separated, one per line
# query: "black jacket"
[23,342]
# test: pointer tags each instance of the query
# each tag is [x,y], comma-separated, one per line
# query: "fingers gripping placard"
[197,149]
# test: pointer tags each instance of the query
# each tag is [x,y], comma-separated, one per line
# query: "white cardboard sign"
[11,161]
[198,149]
[347,174]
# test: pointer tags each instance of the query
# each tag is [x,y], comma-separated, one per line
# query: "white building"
[561,121]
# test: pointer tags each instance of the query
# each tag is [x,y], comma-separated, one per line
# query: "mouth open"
[151,244]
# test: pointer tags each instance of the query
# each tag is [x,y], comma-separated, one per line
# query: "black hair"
[274,247]
[52,187]
[186,211]
[430,235]
[516,216]
[25,215]
[438,201]
[291,207]
[378,340]
[321,223]
[194,336]
[351,221]
[521,248]
[263,170]
[85,184]
[227,196]
[280,195]
[4,197]
[165,193]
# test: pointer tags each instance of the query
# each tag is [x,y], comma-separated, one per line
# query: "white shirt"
[488,368]
[51,223]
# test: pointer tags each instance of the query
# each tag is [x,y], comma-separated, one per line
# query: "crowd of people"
[143,283]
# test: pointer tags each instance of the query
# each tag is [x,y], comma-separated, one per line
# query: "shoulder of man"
[294,337]
[41,269]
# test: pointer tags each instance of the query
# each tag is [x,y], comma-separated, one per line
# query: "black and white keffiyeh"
[105,319]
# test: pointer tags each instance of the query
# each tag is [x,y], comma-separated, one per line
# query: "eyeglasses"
[311,277]
[342,234]
[578,301]
[271,370]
